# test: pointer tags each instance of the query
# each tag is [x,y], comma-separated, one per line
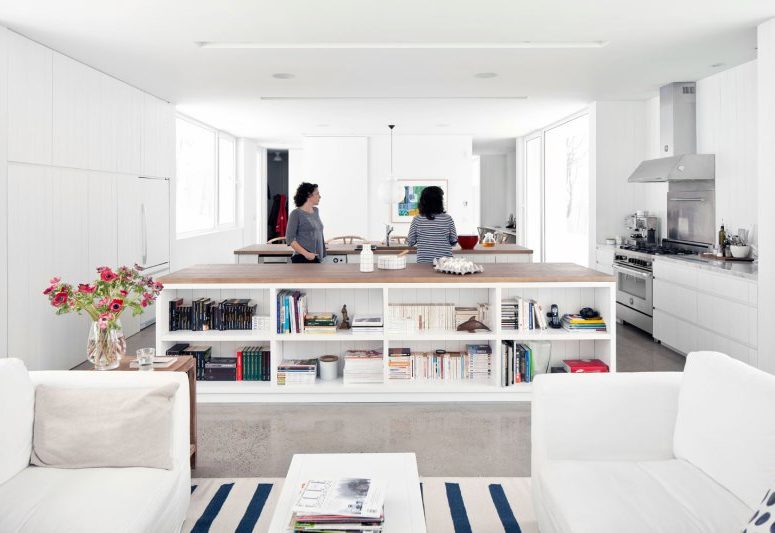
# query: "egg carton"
[456,265]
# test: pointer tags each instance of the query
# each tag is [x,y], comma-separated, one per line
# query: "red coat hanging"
[282,217]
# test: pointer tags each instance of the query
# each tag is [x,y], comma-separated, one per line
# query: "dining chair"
[346,239]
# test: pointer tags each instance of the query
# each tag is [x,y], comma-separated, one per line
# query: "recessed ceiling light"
[442,125]
[717,65]
[485,75]
[283,76]
[405,45]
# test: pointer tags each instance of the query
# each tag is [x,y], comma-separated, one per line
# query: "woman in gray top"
[305,230]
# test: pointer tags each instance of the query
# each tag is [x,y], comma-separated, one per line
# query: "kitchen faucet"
[388,231]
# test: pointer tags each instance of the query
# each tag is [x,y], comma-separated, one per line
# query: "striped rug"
[455,505]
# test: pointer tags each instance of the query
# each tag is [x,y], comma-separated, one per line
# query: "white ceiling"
[150,44]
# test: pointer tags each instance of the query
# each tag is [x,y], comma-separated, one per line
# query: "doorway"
[276,192]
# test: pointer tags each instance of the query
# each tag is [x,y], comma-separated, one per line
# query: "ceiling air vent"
[688,89]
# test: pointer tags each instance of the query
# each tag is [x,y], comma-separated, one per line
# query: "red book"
[588,366]
[239,365]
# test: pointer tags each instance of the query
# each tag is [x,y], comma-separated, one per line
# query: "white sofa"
[42,500]
[653,452]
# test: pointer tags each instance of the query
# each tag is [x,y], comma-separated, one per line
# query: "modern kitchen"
[256,254]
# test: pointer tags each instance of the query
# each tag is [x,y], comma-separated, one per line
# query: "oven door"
[634,288]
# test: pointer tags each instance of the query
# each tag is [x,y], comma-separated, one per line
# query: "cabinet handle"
[144,232]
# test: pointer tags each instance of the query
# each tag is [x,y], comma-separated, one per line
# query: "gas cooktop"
[654,249]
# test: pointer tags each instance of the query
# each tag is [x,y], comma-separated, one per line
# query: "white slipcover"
[605,448]
[17,403]
[91,500]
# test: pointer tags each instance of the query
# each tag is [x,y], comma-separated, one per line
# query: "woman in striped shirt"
[433,230]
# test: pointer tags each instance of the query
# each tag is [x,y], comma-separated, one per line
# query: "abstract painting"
[408,207]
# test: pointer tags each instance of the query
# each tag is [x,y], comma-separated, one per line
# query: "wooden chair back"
[346,239]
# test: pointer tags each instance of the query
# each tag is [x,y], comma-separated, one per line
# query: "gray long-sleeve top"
[306,229]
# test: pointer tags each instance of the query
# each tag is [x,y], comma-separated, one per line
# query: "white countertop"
[741,269]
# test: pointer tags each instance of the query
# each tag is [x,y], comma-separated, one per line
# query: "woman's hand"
[310,256]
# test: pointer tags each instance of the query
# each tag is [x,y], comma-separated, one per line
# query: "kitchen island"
[329,287]
[349,253]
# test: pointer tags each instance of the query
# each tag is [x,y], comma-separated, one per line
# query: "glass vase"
[106,347]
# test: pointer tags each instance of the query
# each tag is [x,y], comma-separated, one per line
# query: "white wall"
[495,187]
[339,165]
[3,193]
[766,193]
[422,157]
[727,127]
[618,143]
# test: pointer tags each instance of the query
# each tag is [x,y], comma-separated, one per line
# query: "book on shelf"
[588,366]
[202,354]
[363,323]
[400,365]
[291,310]
[205,314]
[344,504]
[221,369]
[572,322]
[362,366]
[253,363]
[177,349]
[523,314]
[297,372]
[518,363]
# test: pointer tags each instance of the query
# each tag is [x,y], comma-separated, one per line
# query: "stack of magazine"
[334,505]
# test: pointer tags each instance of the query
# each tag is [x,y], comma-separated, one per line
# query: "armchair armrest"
[611,416]
[115,379]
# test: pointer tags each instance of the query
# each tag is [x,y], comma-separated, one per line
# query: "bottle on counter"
[367,258]
[722,241]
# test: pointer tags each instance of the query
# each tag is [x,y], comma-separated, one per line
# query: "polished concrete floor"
[450,439]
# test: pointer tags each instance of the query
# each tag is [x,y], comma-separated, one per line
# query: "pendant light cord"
[391,126]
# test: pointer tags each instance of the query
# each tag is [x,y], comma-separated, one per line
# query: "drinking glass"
[145,358]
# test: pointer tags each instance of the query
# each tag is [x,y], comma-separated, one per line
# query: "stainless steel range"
[634,280]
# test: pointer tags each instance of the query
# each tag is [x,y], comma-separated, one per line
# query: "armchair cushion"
[670,496]
[91,428]
[17,404]
[725,424]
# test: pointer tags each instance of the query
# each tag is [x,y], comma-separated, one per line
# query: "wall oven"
[634,295]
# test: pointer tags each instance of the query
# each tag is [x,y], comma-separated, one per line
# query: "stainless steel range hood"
[678,135]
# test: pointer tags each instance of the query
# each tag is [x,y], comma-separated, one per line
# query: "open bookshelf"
[375,299]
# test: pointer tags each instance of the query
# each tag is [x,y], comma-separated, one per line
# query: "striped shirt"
[433,238]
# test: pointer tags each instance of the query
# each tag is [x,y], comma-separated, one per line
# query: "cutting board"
[716,258]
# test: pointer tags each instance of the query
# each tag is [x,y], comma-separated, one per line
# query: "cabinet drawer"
[708,340]
[727,318]
[727,286]
[676,300]
[676,333]
[675,273]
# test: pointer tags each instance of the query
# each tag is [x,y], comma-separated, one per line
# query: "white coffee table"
[403,503]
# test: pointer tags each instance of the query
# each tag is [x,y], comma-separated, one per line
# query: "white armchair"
[40,500]
[653,452]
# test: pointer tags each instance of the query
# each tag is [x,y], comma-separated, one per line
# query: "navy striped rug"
[454,505]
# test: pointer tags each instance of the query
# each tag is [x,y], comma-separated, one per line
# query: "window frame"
[215,226]
[541,134]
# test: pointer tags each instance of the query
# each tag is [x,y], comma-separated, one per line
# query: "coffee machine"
[643,229]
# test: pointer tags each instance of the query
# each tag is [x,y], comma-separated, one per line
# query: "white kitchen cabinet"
[698,309]
[103,222]
[158,138]
[604,258]
[29,101]
[46,238]
[128,127]
[75,89]
[155,224]
[128,217]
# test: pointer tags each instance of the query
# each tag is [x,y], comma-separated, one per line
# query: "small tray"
[713,257]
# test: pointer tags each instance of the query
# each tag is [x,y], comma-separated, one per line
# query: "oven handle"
[626,270]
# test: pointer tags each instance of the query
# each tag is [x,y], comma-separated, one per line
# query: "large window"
[206,183]
[557,192]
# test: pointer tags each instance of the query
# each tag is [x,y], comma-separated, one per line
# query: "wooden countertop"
[279,250]
[297,274]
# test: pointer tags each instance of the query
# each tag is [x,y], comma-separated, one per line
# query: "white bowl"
[739,251]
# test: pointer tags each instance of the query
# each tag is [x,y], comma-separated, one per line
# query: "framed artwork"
[408,206]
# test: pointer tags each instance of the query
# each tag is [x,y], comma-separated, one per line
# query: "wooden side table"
[185,363]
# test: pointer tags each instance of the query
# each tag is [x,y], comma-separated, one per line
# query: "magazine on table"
[344,497]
